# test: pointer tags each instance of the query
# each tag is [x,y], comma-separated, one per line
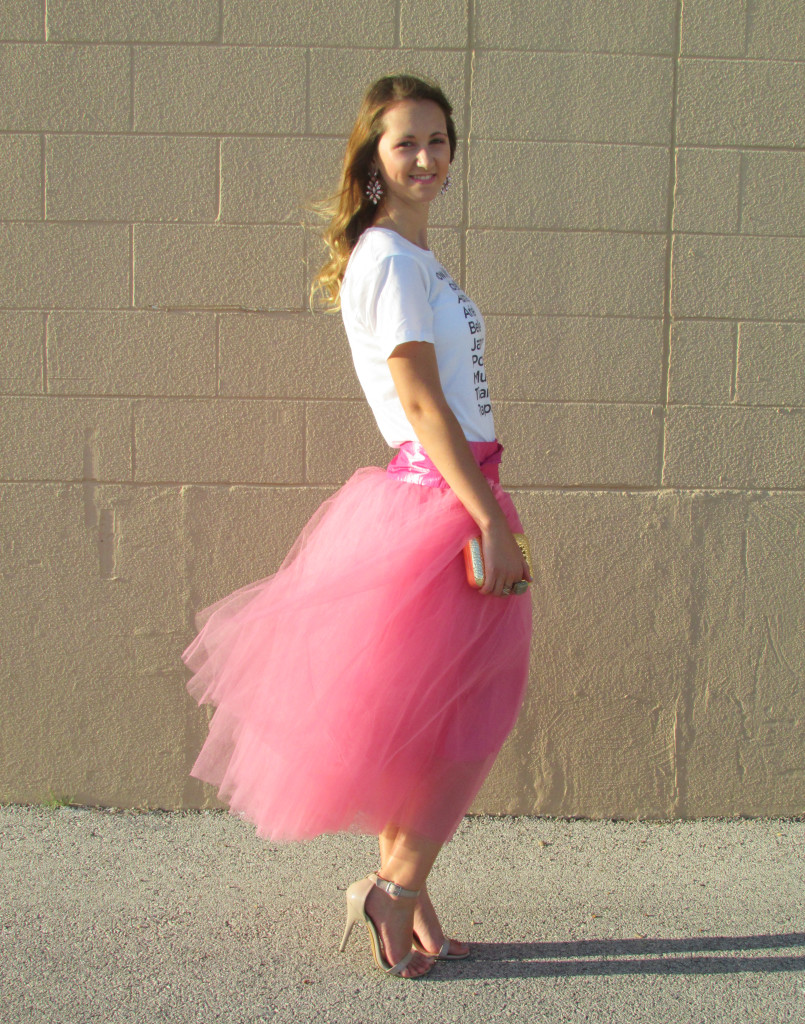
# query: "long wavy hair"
[349,211]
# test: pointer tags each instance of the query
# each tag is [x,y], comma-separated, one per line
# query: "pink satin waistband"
[412,464]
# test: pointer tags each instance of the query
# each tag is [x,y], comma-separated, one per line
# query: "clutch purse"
[474,562]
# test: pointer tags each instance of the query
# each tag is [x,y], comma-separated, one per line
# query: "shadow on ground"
[631,956]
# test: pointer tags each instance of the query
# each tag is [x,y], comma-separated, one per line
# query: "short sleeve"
[397,308]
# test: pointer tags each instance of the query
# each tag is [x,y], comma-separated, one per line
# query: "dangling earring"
[445,184]
[374,188]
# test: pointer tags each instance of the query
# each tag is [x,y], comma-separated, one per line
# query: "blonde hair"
[349,211]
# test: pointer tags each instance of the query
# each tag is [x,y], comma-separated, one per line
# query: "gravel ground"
[118,916]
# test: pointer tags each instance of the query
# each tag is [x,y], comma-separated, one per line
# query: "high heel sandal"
[444,951]
[357,894]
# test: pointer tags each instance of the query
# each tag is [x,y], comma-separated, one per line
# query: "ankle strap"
[392,888]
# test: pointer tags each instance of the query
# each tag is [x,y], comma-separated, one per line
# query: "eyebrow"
[411,136]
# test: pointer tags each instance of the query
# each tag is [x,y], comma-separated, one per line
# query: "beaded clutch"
[474,562]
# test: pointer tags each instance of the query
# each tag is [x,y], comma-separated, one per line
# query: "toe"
[418,966]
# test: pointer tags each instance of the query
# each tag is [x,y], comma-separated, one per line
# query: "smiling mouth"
[423,177]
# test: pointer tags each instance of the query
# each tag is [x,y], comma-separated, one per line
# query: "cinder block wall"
[628,211]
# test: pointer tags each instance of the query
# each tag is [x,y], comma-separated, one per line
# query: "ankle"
[394,889]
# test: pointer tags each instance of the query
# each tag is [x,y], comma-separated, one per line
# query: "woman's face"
[413,153]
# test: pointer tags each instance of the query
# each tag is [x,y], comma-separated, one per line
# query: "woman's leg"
[386,841]
[426,921]
[405,858]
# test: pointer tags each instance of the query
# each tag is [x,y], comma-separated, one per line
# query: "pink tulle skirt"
[365,682]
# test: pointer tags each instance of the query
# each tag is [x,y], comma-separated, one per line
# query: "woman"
[367,686]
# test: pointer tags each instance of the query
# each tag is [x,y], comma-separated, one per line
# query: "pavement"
[189,916]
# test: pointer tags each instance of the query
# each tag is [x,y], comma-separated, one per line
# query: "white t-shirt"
[394,292]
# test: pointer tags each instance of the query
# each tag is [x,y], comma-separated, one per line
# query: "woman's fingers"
[504,563]
[503,586]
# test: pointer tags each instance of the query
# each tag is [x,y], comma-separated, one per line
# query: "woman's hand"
[504,564]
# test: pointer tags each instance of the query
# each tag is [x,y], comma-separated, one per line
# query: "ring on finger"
[506,591]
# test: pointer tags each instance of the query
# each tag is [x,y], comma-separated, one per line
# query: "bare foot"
[429,931]
[394,919]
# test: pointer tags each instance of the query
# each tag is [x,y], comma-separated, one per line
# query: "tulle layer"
[365,682]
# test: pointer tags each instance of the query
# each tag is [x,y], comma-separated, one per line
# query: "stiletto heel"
[357,895]
[347,932]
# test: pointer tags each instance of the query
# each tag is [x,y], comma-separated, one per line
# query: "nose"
[424,158]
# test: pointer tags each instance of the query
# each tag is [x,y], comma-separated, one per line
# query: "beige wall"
[629,212]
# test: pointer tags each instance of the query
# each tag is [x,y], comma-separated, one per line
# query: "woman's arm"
[416,377]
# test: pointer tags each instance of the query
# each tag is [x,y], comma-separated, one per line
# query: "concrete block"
[53,438]
[587,273]
[574,359]
[644,26]
[133,21]
[222,441]
[560,97]
[219,89]
[271,180]
[22,21]
[340,438]
[424,23]
[702,362]
[285,355]
[739,278]
[286,22]
[22,347]
[735,448]
[65,265]
[85,724]
[39,718]
[20,177]
[611,607]
[219,266]
[771,364]
[557,185]
[149,537]
[773,194]
[776,28]
[578,445]
[64,88]
[120,547]
[740,103]
[131,353]
[46,534]
[110,733]
[355,70]
[707,195]
[714,28]
[741,714]
[92,177]
[237,535]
